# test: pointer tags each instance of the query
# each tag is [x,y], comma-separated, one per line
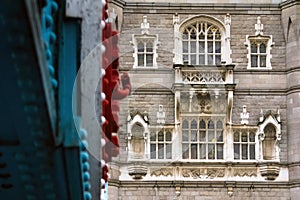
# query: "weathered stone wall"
[202,193]
[291,21]
[256,89]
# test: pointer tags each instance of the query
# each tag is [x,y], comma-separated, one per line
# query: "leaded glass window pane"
[140,59]
[218,59]
[210,47]
[219,125]
[244,151]
[254,59]
[219,151]
[211,151]
[149,60]
[211,136]
[236,151]
[160,151]
[252,151]
[185,124]
[169,151]
[193,59]
[185,135]
[263,61]
[202,151]
[160,136]
[194,154]
[168,136]
[220,136]
[153,151]
[252,137]
[185,151]
[203,136]
[201,59]
[236,137]
[194,135]
[262,48]
[193,47]
[185,45]
[253,48]
[218,47]
[149,47]
[201,47]
[244,137]
[141,47]
[193,35]
[153,137]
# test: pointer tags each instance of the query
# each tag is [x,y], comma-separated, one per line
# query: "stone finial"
[259,27]
[145,25]
[227,19]
[175,18]
[161,115]
[261,116]
[278,115]
[244,115]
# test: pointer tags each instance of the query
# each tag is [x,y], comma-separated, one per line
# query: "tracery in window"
[244,144]
[202,139]
[201,44]
[161,144]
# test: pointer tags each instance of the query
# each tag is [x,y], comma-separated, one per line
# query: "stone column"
[291,26]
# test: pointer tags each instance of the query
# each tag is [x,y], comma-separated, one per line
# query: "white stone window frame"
[248,143]
[164,142]
[224,29]
[137,119]
[259,39]
[136,38]
[206,143]
[269,120]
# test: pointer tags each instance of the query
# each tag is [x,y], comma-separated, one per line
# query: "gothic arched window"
[201,44]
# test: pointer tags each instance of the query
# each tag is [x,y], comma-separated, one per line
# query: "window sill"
[259,68]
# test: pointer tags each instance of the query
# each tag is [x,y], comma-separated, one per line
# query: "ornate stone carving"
[145,25]
[137,171]
[203,172]
[161,172]
[202,77]
[259,27]
[244,115]
[269,170]
[161,115]
[241,171]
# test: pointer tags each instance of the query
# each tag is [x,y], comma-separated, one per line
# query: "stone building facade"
[214,111]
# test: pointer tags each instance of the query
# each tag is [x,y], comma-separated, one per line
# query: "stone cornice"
[289,3]
[247,91]
[119,3]
[197,184]
[190,8]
